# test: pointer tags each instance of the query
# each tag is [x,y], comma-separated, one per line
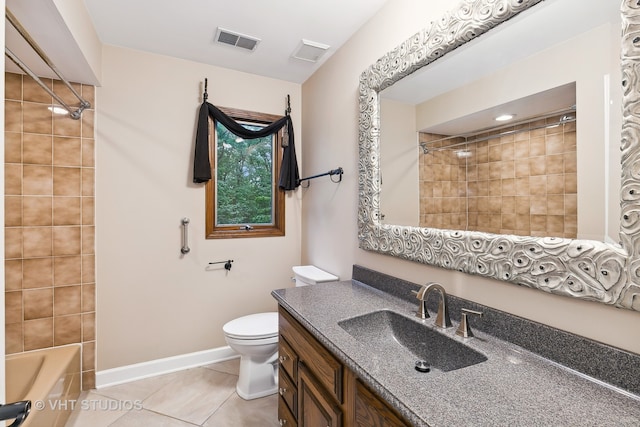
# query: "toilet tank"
[310,275]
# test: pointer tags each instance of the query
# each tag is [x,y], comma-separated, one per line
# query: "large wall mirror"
[536,200]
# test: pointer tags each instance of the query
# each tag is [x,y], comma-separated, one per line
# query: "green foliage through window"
[244,178]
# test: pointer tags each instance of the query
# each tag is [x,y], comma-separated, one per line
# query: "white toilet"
[255,339]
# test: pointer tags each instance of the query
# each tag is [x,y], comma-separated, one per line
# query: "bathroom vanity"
[338,367]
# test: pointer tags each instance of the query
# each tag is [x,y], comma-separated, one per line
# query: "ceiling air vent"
[310,51]
[236,39]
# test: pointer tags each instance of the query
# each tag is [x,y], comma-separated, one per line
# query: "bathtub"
[50,378]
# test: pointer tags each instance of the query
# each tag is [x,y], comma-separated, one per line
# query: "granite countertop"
[513,387]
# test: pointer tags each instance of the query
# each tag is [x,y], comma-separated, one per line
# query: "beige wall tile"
[13,307]
[67,329]
[12,179]
[88,326]
[538,185]
[13,116]
[555,184]
[32,91]
[39,223]
[67,270]
[13,275]
[66,181]
[37,180]
[555,224]
[14,338]
[571,184]
[555,204]
[87,124]
[67,300]
[36,118]
[554,164]
[88,355]
[88,214]
[571,204]
[88,152]
[12,211]
[37,210]
[66,211]
[66,241]
[13,243]
[37,242]
[37,273]
[37,149]
[88,182]
[38,303]
[88,240]
[12,147]
[66,126]
[538,205]
[67,151]
[537,147]
[554,144]
[88,269]
[537,166]
[61,89]
[88,298]
[13,86]
[89,94]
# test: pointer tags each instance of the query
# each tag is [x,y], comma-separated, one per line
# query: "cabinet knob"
[282,391]
[282,359]
[282,422]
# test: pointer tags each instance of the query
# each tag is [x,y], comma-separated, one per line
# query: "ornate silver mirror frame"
[585,269]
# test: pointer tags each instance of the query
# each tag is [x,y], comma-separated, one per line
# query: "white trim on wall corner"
[138,371]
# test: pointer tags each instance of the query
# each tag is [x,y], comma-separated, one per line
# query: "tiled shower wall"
[523,184]
[49,221]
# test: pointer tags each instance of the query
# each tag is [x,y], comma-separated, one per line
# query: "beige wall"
[330,136]
[153,302]
[399,161]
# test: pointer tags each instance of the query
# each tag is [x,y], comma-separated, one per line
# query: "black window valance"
[289,176]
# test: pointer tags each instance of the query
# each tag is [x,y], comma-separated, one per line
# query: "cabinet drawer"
[324,366]
[288,392]
[288,359]
[285,417]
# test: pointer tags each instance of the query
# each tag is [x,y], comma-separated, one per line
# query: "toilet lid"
[253,326]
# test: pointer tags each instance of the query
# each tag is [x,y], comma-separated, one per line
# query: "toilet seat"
[253,327]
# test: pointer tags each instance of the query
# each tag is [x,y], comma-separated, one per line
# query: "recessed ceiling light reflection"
[56,109]
[504,117]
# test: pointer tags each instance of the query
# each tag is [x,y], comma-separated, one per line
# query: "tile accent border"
[602,362]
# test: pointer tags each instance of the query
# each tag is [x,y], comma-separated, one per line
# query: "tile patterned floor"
[204,396]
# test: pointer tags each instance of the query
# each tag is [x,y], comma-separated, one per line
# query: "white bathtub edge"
[152,368]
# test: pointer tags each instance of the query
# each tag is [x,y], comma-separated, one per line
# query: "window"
[243,198]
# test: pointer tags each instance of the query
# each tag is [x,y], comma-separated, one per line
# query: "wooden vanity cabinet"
[316,390]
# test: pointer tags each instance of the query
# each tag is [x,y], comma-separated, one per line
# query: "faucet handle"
[464,330]
[422,312]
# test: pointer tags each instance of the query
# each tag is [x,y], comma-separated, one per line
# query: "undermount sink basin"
[388,332]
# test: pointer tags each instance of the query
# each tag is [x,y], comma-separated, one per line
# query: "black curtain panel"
[289,176]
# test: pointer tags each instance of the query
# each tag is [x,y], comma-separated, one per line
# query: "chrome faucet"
[442,318]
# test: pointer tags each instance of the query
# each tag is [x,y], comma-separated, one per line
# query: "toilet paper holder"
[227,264]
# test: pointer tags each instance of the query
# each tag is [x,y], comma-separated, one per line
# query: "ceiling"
[186,29]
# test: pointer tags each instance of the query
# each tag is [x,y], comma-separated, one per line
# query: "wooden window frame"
[257,230]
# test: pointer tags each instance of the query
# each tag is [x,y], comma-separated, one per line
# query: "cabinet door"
[316,407]
[370,411]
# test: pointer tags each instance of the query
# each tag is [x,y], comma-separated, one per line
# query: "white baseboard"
[138,371]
